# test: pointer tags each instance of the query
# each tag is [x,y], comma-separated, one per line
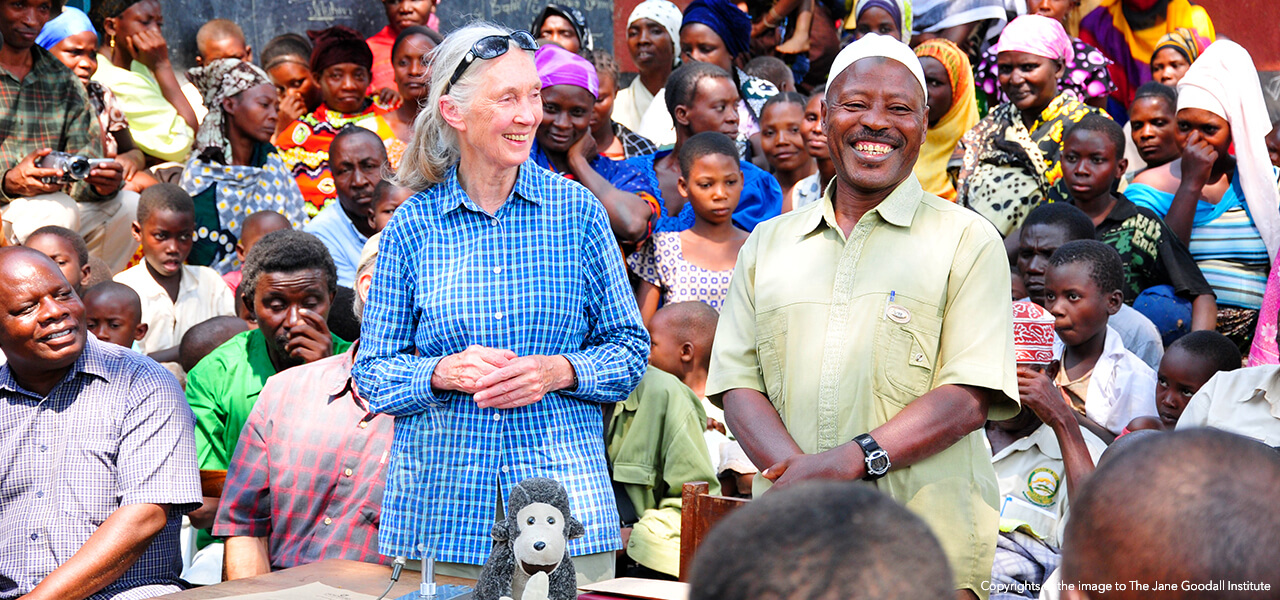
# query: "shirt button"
[497,416]
[506,469]
[44,448]
[497,270]
[40,494]
[36,536]
[493,222]
[347,472]
[328,521]
[364,424]
[497,316]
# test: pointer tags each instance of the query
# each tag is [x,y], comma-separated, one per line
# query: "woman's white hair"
[434,146]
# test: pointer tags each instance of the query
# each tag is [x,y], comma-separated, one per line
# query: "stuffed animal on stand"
[530,558]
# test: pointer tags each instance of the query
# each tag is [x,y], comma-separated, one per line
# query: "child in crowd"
[781,138]
[175,296]
[113,312]
[220,38]
[695,264]
[773,70]
[387,197]
[1152,255]
[67,249]
[1153,127]
[1047,228]
[1108,385]
[202,339]
[815,141]
[1241,401]
[655,440]
[1188,364]
[255,226]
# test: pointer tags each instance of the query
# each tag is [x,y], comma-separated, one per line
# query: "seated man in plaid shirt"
[97,451]
[305,483]
[44,108]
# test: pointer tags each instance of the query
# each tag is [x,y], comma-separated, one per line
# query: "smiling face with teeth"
[495,132]
[875,124]
[42,329]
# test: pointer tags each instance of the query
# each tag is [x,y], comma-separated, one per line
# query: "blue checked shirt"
[116,431]
[541,276]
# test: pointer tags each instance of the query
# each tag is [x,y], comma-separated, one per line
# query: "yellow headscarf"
[1142,43]
[940,141]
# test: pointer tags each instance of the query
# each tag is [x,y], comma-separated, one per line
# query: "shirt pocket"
[87,482]
[771,347]
[907,336]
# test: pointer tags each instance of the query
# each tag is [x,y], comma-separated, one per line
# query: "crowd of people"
[337,297]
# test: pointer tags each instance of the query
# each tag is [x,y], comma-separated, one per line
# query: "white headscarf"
[1224,82]
[878,46]
[662,12]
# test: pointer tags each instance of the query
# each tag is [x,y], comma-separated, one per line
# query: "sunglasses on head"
[491,47]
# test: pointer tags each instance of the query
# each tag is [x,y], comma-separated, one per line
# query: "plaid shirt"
[115,431]
[47,109]
[307,473]
[633,144]
[541,276]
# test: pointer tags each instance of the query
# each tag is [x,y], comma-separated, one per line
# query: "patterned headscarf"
[664,13]
[941,139]
[725,18]
[1186,41]
[899,11]
[221,79]
[573,16]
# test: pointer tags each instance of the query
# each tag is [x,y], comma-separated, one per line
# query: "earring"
[113,41]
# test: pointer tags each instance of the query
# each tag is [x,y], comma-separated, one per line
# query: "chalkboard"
[266,19]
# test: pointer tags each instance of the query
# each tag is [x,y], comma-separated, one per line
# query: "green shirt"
[223,388]
[655,445]
[842,334]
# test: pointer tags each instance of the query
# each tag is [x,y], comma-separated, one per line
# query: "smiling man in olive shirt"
[875,324]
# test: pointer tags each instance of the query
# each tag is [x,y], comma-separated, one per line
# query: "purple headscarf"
[557,66]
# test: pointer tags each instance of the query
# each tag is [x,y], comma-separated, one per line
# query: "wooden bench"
[699,512]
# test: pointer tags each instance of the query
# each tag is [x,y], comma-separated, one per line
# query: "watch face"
[878,463]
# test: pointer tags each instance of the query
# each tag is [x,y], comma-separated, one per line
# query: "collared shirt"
[47,109]
[542,275]
[1033,482]
[1244,402]
[155,124]
[842,333]
[1121,387]
[334,228]
[115,431]
[656,445]
[761,196]
[308,472]
[1152,255]
[202,295]
[633,144]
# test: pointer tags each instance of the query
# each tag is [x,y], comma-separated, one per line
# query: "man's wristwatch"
[876,458]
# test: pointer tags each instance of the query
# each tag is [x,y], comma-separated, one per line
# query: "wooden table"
[351,575]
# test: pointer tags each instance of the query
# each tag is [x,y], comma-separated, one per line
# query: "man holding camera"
[43,109]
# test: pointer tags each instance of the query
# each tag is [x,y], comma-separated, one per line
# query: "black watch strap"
[876,458]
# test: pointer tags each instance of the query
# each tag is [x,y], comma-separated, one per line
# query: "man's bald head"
[42,324]
[1195,506]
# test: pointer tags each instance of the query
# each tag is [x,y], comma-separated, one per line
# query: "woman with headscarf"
[1086,72]
[340,61]
[71,38]
[1010,159]
[234,171]
[953,111]
[653,39]
[1224,207]
[564,26]
[884,17]
[135,66]
[719,33]
[1128,31]
[1174,54]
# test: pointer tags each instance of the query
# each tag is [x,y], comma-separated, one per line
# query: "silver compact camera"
[74,167]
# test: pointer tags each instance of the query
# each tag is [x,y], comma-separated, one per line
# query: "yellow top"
[841,334]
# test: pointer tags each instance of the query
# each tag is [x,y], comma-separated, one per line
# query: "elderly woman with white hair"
[499,321]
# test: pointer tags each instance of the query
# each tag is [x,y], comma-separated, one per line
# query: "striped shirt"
[115,431]
[540,276]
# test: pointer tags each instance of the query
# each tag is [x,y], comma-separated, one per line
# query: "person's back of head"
[821,541]
[704,144]
[688,328]
[682,85]
[1188,506]
[773,70]
[206,336]
[1063,216]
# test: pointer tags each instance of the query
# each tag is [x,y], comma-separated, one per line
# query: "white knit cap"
[877,46]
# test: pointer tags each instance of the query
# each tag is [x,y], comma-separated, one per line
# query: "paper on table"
[648,589]
[311,591]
